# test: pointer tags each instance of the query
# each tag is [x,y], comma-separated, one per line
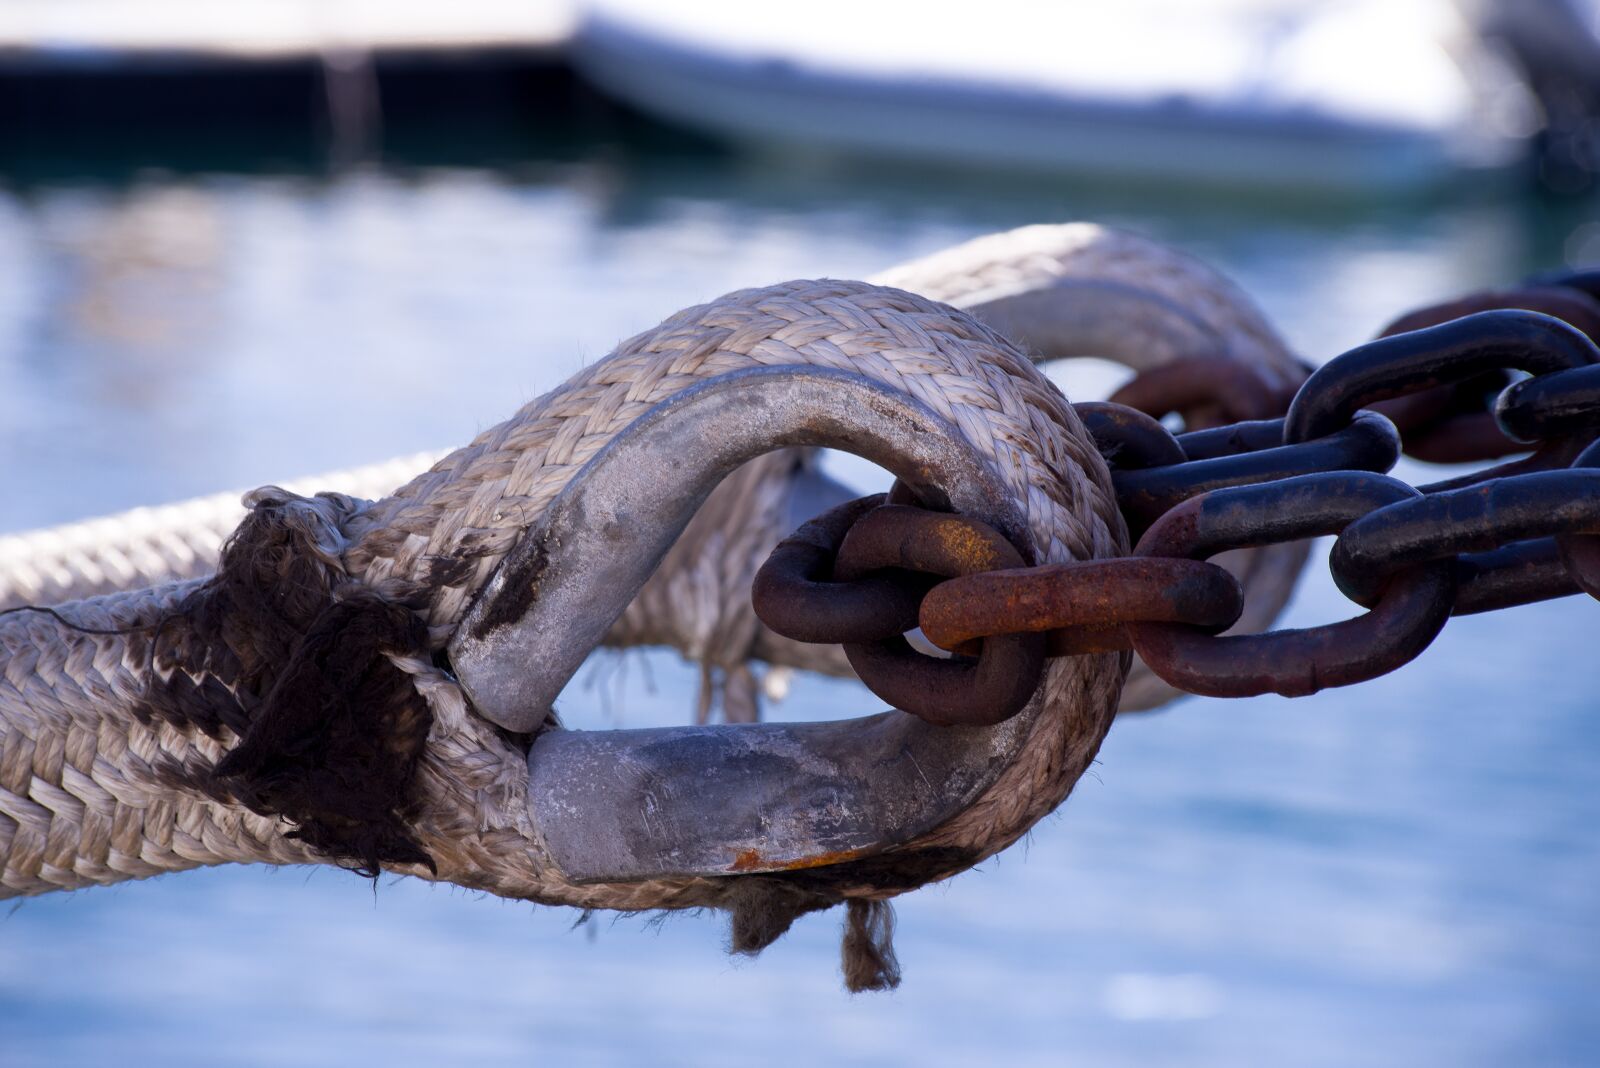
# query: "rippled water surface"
[1396,874]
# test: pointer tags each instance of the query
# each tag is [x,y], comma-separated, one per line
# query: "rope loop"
[321,682]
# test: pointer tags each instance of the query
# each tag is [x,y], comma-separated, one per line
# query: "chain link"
[868,572]
[1408,614]
[1448,424]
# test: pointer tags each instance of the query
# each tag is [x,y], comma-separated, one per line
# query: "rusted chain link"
[1491,516]
[988,687]
[797,594]
[1368,443]
[1206,390]
[1580,553]
[1550,406]
[1128,438]
[1452,352]
[1409,615]
[857,573]
[1522,532]
[1450,423]
[1084,607]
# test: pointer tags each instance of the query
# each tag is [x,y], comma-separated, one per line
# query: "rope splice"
[134,728]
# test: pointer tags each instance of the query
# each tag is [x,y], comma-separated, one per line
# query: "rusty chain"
[1482,377]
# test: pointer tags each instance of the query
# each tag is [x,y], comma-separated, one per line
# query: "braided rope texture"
[88,790]
[979,274]
[78,693]
[158,544]
[698,601]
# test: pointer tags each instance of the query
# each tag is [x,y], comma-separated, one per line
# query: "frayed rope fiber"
[764,908]
[335,745]
[867,951]
[337,730]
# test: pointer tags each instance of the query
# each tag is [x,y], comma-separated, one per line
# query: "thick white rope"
[157,544]
[1036,285]
[93,789]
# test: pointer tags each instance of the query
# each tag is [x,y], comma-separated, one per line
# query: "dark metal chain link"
[1479,378]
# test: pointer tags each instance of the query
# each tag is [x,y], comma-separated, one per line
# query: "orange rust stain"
[822,860]
[971,550]
[751,860]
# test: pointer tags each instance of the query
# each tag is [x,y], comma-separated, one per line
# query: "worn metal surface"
[1516,574]
[1450,423]
[1579,552]
[1127,437]
[1368,443]
[1437,356]
[797,594]
[713,800]
[1475,542]
[1550,406]
[989,687]
[1412,611]
[1379,545]
[640,804]
[1085,603]
[1252,435]
[1226,390]
[1550,456]
[574,570]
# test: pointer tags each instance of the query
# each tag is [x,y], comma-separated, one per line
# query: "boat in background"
[1356,96]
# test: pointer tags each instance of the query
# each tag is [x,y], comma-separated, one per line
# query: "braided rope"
[698,601]
[115,804]
[980,274]
[86,788]
[155,545]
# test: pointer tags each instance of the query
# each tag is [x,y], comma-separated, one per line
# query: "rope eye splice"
[238,722]
[485,790]
[801,803]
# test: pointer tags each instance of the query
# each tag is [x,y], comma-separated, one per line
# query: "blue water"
[1401,873]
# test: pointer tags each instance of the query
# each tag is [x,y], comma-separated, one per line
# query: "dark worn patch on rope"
[273,649]
[764,909]
[519,585]
[336,742]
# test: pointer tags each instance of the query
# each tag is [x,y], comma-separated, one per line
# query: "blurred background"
[248,241]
